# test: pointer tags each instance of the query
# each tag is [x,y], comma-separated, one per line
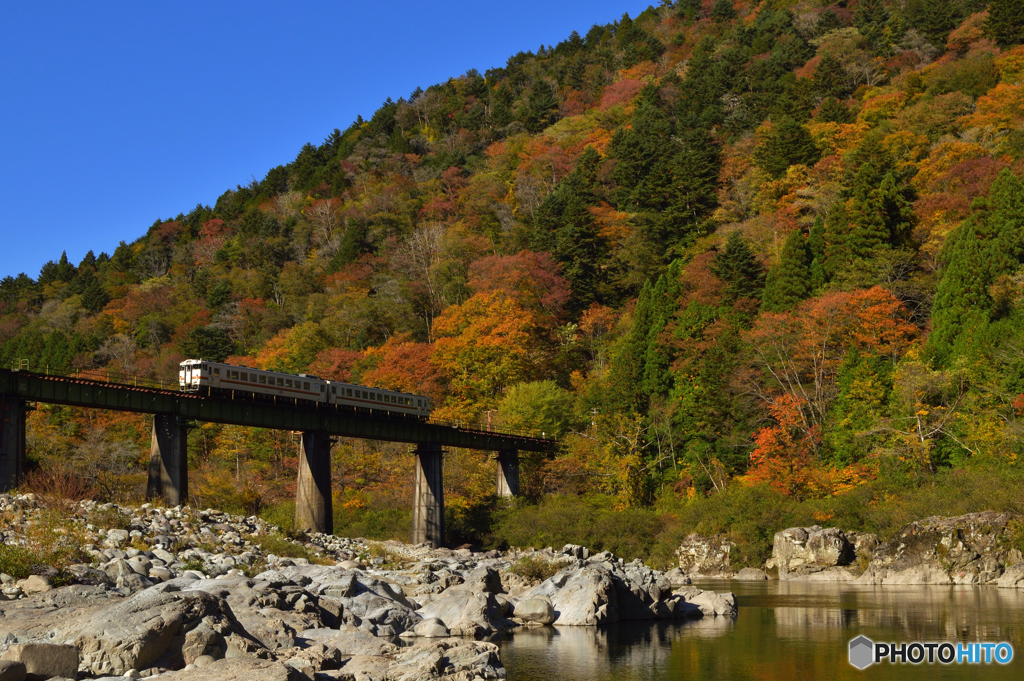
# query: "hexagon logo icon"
[862,652]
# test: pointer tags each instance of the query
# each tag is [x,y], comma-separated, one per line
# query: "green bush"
[535,569]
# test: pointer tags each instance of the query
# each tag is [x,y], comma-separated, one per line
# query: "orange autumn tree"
[483,346]
[795,366]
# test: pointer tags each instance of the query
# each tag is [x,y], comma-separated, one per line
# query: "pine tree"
[833,111]
[738,269]
[986,245]
[788,282]
[1006,22]
[870,18]
[501,105]
[788,143]
[723,11]
[830,79]
[541,109]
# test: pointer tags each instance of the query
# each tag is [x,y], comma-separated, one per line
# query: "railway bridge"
[173,411]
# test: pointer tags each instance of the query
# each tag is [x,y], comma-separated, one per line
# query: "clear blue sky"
[115,114]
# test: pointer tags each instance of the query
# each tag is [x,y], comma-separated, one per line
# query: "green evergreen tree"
[816,246]
[830,78]
[788,143]
[1006,22]
[985,246]
[565,227]
[933,20]
[871,18]
[738,269]
[834,111]
[501,105]
[828,21]
[723,11]
[789,282]
[541,109]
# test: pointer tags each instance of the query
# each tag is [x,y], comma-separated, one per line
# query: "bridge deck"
[281,415]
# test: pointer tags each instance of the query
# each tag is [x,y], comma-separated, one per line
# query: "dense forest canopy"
[717,243]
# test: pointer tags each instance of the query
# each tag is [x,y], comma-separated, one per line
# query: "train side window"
[216,372]
[334,391]
[263,380]
[287,382]
[305,385]
[348,392]
[245,376]
[419,403]
[280,382]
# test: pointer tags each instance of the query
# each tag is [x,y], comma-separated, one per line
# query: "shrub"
[535,569]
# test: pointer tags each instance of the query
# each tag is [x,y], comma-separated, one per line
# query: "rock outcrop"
[975,548]
[706,557]
[812,553]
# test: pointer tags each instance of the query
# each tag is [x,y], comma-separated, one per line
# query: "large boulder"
[701,556]
[466,614]
[165,628]
[1013,577]
[968,549]
[536,610]
[581,597]
[44,660]
[802,551]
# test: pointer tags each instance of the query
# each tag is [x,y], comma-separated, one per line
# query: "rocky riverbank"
[183,594]
[976,548]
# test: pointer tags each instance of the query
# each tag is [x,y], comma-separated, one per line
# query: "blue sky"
[116,114]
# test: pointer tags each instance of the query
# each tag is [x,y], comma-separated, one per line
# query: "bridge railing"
[155,383]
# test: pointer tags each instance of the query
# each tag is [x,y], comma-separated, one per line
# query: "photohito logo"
[864,652]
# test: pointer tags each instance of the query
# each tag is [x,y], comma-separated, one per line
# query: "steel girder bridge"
[318,423]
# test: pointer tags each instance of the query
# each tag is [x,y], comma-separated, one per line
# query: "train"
[216,378]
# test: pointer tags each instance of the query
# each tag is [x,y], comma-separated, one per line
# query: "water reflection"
[784,631]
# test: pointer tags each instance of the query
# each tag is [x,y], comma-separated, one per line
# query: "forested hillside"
[716,246]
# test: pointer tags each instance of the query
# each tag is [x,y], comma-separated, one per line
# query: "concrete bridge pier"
[508,473]
[313,507]
[12,441]
[168,460]
[428,496]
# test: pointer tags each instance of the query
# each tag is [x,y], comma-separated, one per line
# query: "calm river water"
[784,631]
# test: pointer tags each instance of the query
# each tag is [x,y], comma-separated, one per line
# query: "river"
[785,630]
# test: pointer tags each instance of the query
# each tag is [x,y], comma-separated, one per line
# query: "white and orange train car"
[215,378]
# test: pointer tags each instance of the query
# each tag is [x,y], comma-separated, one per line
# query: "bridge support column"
[313,510]
[428,496]
[168,460]
[12,441]
[508,473]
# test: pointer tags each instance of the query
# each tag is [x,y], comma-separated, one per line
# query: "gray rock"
[162,625]
[161,573]
[466,614]
[431,627]
[676,578]
[581,597]
[44,660]
[715,604]
[751,575]
[800,551]
[1013,577]
[12,671]
[535,610]
[968,549]
[35,584]
[705,556]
